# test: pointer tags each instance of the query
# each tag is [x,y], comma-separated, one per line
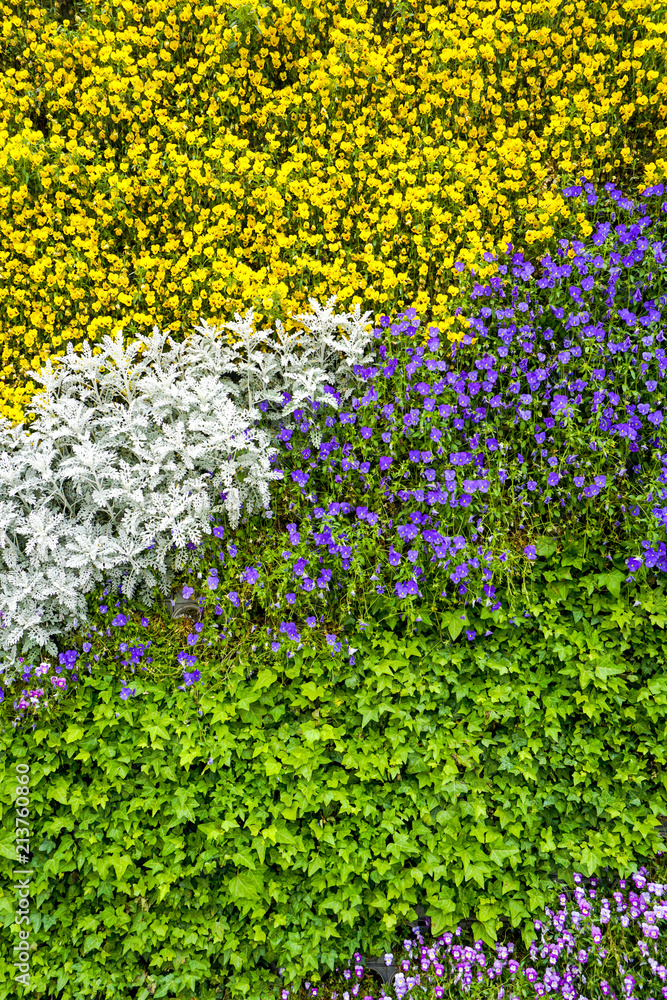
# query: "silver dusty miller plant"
[125,462]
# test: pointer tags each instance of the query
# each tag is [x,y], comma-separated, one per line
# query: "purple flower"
[119,621]
[394,556]
[529,552]
[628,316]
[187,592]
[460,457]
[250,575]
[126,692]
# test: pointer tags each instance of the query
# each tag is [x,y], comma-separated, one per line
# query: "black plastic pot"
[376,963]
[182,607]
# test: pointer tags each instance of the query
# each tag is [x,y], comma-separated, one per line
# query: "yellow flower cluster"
[167,161]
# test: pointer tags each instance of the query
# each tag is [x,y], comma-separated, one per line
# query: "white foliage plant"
[127,462]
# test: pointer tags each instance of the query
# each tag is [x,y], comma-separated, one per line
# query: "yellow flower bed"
[171,161]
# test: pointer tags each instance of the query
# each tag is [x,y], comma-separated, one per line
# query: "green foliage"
[459,776]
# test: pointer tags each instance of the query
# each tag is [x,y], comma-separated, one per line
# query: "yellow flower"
[199,162]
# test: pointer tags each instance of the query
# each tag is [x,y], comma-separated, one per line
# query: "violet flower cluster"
[552,415]
[569,960]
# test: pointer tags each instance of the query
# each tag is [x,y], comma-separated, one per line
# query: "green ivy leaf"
[283,836]
[312,691]
[184,804]
[243,858]
[368,714]
[439,915]
[73,733]
[500,854]
[545,547]
[266,678]
[150,722]
[245,886]
[612,581]
[8,844]
[115,768]
[121,863]
[518,912]
[260,847]
[272,766]
[476,872]
[605,670]
[455,622]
